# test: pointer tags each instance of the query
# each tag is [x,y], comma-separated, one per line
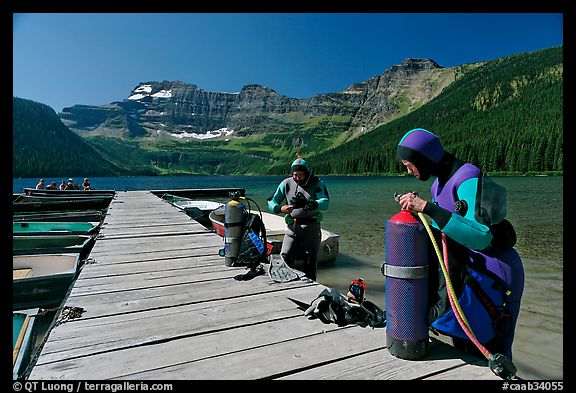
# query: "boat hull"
[198,210]
[24,328]
[52,244]
[200,192]
[42,280]
[33,191]
[66,216]
[20,206]
[30,228]
[41,203]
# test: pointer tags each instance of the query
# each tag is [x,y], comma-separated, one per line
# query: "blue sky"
[63,59]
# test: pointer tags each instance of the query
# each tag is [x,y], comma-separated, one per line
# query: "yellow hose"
[451,292]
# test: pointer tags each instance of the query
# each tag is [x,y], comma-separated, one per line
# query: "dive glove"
[311,205]
[298,200]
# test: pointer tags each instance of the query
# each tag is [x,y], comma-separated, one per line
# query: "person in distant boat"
[71,185]
[40,185]
[468,212]
[62,185]
[52,186]
[86,185]
[301,197]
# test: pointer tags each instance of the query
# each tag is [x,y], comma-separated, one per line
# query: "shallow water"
[359,208]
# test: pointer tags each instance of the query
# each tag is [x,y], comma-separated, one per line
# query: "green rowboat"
[42,280]
[52,228]
[24,327]
[52,244]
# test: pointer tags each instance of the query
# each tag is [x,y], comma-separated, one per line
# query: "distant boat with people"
[44,192]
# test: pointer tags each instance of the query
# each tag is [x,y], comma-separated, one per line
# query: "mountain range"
[184,111]
[175,127]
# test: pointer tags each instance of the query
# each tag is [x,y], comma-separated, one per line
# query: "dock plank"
[124,246]
[84,336]
[197,289]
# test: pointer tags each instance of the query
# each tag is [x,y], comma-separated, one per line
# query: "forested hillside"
[43,146]
[506,116]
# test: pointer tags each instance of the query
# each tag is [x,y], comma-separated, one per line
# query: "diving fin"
[301,305]
[280,272]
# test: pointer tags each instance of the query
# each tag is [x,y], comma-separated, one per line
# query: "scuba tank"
[406,272]
[234,216]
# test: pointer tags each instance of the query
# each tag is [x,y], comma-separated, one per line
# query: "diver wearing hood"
[469,208]
[305,197]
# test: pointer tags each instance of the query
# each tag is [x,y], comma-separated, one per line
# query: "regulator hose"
[498,363]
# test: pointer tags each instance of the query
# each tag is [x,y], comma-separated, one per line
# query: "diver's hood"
[424,150]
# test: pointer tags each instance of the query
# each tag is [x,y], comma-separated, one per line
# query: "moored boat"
[34,204]
[52,244]
[24,327]
[42,280]
[65,198]
[54,228]
[200,192]
[45,192]
[198,210]
[275,230]
[68,216]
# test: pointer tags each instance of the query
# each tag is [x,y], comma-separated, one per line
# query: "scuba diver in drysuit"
[468,210]
[306,197]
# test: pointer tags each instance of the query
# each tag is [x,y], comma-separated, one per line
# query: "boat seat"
[21,273]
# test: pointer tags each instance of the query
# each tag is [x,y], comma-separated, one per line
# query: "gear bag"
[253,247]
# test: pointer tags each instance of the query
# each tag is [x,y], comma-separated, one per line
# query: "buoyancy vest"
[310,191]
[485,286]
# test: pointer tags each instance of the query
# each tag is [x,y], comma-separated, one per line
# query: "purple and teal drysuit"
[469,208]
[303,230]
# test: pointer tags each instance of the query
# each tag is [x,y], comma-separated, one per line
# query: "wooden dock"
[159,304]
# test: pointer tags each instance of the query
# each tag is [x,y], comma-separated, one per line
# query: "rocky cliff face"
[184,111]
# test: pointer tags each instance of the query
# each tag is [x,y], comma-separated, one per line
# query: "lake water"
[359,208]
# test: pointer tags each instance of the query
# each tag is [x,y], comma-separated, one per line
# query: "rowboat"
[200,192]
[25,203]
[54,228]
[275,230]
[24,327]
[68,216]
[45,192]
[42,280]
[52,244]
[64,198]
[198,210]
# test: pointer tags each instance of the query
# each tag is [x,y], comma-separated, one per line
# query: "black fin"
[301,305]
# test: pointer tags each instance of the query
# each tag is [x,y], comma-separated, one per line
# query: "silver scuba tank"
[234,217]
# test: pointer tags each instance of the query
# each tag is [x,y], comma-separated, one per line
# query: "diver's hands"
[412,202]
[298,200]
[311,205]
